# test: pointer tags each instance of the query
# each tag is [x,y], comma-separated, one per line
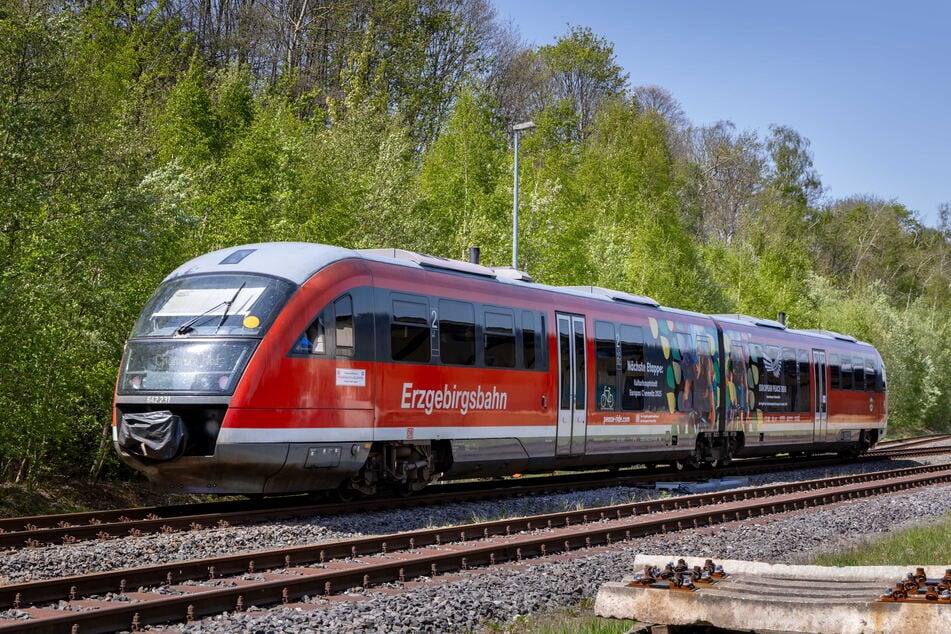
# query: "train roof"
[298,261]
[760,322]
[294,261]
[507,274]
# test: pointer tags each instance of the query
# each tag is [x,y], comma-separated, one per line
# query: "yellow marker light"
[251,322]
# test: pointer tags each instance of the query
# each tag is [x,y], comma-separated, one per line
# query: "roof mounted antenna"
[781,317]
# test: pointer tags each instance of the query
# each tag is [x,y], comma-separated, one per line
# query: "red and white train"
[288,367]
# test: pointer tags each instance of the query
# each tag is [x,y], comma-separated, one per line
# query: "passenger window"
[499,339]
[835,380]
[529,336]
[605,350]
[409,331]
[858,368]
[869,376]
[343,332]
[790,379]
[704,395]
[634,369]
[739,375]
[457,332]
[805,393]
[682,349]
[847,373]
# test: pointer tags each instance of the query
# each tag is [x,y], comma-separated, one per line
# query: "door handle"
[544,401]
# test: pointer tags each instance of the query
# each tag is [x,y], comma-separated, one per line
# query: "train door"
[822,397]
[572,386]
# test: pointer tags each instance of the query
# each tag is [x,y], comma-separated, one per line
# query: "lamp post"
[518,127]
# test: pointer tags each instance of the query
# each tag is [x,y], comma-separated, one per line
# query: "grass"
[61,495]
[921,545]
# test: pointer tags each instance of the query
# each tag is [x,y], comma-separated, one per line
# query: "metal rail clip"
[917,588]
[678,576]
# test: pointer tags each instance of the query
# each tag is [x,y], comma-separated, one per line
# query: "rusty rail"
[73,527]
[369,561]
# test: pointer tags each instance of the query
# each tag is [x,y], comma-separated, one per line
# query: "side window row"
[620,361]
[423,329]
[855,373]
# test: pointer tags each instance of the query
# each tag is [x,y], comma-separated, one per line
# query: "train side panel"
[782,396]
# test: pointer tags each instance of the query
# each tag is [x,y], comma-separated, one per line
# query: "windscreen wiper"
[188,326]
[228,304]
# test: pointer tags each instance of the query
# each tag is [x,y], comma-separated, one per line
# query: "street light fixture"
[518,127]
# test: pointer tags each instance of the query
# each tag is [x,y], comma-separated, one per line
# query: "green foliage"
[187,123]
[583,74]
[465,184]
[553,234]
[627,176]
[134,138]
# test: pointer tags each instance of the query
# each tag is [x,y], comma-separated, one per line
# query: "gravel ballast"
[490,598]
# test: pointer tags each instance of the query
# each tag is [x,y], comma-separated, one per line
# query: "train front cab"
[216,359]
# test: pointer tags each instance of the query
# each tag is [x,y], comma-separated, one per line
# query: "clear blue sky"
[867,82]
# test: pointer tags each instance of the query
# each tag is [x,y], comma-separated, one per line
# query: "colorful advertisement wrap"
[669,369]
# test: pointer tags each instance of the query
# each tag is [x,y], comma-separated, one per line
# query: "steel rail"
[67,529]
[911,442]
[63,520]
[566,530]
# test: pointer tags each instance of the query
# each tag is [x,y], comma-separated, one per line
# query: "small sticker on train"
[351,378]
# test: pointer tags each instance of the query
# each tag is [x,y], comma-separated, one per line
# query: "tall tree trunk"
[100,460]
[23,471]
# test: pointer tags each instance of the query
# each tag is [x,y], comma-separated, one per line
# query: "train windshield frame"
[214,305]
[197,333]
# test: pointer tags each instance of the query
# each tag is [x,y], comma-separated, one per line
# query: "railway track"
[69,528]
[912,442]
[184,591]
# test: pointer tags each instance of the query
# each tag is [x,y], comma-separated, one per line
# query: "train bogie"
[276,368]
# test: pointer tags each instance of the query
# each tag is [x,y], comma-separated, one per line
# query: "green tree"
[637,236]
[465,183]
[584,74]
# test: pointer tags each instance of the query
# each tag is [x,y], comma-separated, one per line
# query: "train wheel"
[346,493]
[403,490]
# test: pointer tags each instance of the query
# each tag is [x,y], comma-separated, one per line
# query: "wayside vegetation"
[135,135]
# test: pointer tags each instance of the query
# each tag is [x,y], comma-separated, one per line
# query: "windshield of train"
[198,333]
[206,366]
[213,305]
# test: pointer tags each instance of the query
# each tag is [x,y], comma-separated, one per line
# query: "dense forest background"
[136,135]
